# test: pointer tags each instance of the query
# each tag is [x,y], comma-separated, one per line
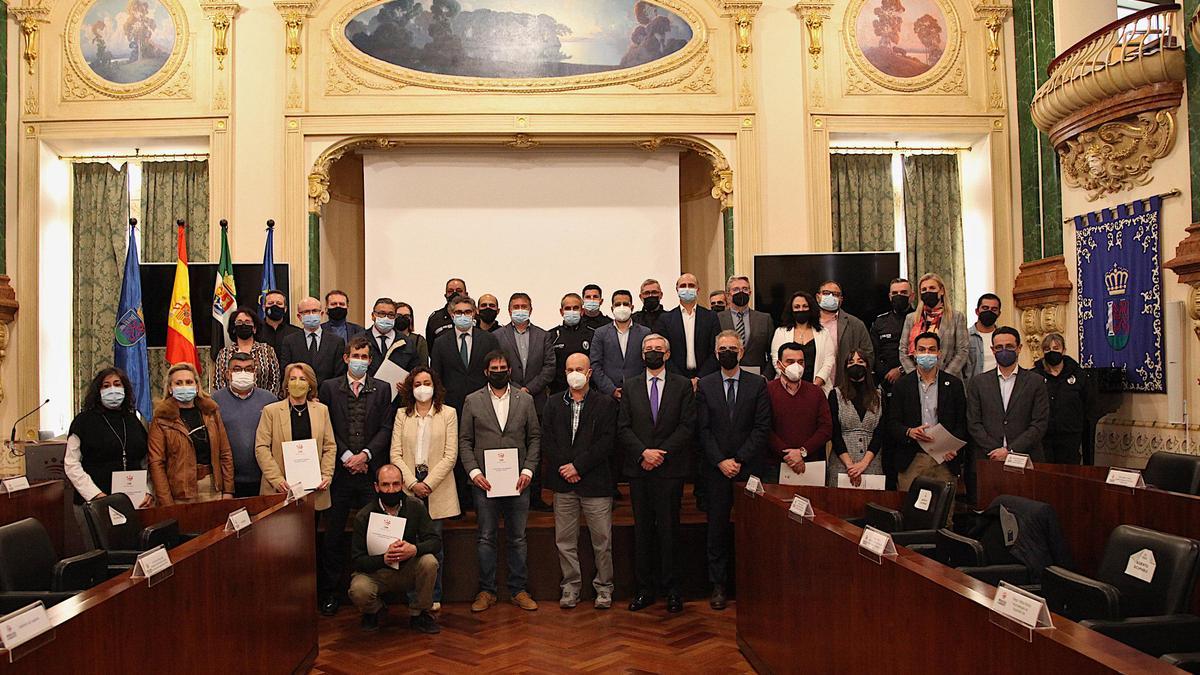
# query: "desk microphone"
[12,436]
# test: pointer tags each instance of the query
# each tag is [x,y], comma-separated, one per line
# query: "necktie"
[730,395]
[462,350]
[312,347]
[654,399]
[740,324]
[382,345]
[356,387]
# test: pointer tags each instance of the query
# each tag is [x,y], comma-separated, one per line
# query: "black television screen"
[159,278]
[864,278]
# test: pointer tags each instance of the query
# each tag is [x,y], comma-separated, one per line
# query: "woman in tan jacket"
[425,447]
[298,417]
[190,459]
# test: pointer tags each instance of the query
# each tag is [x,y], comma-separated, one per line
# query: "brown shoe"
[523,601]
[483,602]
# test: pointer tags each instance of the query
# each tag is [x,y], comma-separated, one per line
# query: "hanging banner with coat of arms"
[1120,293]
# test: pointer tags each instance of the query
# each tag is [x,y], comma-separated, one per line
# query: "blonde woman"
[933,315]
[298,417]
[190,459]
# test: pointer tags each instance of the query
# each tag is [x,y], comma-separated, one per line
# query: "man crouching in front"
[393,552]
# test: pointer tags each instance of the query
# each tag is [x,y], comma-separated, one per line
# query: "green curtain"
[173,190]
[933,219]
[100,214]
[864,217]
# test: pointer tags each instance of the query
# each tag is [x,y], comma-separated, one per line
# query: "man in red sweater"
[802,425]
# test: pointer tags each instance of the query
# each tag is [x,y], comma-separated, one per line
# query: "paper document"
[382,530]
[132,483]
[942,444]
[871,482]
[814,474]
[393,374]
[502,470]
[302,463]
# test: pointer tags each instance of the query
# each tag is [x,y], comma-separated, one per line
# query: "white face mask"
[794,372]
[242,381]
[576,379]
[622,313]
[423,393]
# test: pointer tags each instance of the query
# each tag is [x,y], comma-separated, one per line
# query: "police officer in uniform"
[439,321]
[886,338]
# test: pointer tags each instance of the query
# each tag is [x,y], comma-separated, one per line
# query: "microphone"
[12,436]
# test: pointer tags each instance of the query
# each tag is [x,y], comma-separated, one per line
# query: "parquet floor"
[551,640]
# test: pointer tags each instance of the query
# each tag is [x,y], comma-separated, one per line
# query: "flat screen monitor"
[158,279]
[864,278]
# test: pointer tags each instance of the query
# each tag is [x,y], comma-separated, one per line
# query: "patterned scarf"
[928,322]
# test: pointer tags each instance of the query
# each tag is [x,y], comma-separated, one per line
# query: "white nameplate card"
[1015,460]
[382,531]
[1021,606]
[1141,565]
[867,482]
[302,462]
[502,471]
[801,507]
[24,625]
[877,541]
[132,483]
[814,474]
[754,485]
[923,499]
[116,517]
[14,485]
[1125,478]
[238,521]
[152,562]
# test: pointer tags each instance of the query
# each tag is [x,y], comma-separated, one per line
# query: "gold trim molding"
[221,14]
[81,82]
[29,19]
[1117,156]
[947,64]
[993,14]
[814,15]
[294,15]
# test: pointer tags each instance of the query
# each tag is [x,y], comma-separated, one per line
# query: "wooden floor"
[550,640]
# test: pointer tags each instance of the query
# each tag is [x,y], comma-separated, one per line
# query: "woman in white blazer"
[801,323]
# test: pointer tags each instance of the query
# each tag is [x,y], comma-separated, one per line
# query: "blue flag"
[129,335]
[268,270]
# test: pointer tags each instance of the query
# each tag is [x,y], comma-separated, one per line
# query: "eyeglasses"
[241,369]
[835,294]
[383,315]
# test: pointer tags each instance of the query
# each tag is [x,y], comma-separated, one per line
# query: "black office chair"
[124,542]
[1188,663]
[988,564]
[910,526]
[1174,472]
[30,569]
[1149,616]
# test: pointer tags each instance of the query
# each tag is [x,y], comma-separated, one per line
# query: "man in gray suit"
[847,330]
[497,417]
[531,362]
[753,327]
[1007,406]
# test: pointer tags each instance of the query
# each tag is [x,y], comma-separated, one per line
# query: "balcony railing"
[1111,72]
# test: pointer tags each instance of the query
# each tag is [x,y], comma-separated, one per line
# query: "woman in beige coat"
[425,447]
[298,417]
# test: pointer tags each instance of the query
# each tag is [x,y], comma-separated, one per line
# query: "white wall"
[975,170]
[55,291]
[543,222]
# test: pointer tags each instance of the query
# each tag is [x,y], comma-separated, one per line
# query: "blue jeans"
[515,511]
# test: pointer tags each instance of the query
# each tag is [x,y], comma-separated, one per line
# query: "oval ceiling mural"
[127,41]
[518,39]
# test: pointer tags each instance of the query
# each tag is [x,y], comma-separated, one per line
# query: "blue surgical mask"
[358,367]
[687,294]
[591,305]
[520,316]
[311,321]
[183,394]
[926,361]
[113,397]
[1006,357]
[829,303]
[571,317]
[385,324]
[463,321]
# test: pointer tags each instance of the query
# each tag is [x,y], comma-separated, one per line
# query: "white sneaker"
[604,601]
[568,601]
[437,607]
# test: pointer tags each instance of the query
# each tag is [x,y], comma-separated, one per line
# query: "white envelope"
[302,463]
[814,474]
[869,482]
[382,531]
[502,470]
[132,483]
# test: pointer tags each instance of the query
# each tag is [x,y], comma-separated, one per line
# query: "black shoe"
[540,505]
[674,604]
[330,605]
[640,601]
[718,597]
[424,623]
[370,622]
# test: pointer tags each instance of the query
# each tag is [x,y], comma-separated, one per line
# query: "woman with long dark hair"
[801,323]
[244,329]
[106,436]
[856,406]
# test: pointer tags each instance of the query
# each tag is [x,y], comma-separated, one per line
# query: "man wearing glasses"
[1007,406]
[241,405]
[847,331]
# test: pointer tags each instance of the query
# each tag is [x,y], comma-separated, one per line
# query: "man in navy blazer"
[735,425]
[692,330]
[616,351]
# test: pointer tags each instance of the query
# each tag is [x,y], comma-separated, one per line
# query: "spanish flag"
[181,341]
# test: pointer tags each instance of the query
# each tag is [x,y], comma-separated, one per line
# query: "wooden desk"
[841,502]
[807,602]
[204,516]
[45,502]
[234,605]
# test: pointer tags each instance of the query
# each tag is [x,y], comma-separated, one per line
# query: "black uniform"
[595,322]
[275,336]
[438,323]
[1072,401]
[565,341]
[887,340]
[648,319]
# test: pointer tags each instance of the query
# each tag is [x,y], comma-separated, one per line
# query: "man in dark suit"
[735,423]
[579,430]
[655,429]
[529,355]
[361,413]
[390,336]
[275,326]
[756,329]
[693,330]
[921,399]
[322,350]
[616,353]
[337,308]
[1007,407]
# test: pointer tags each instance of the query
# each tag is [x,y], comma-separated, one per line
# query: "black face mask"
[450,297]
[402,324]
[488,315]
[901,304]
[653,360]
[337,314]
[243,332]
[988,318]
[498,379]
[801,318]
[1053,358]
[728,359]
[930,299]
[717,307]
[856,372]
[390,498]
[651,303]
[741,299]
[276,313]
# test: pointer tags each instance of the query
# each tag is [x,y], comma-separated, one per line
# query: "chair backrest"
[1173,471]
[955,550]
[108,536]
[934,516]
[27,557]
[1169,590]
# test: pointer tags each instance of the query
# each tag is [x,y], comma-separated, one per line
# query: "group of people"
[652,397]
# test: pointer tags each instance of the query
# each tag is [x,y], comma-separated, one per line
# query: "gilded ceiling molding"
[993,14]
[1117,156]
[221,14]
[29,18]
[814,15]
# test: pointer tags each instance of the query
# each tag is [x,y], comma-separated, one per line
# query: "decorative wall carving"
[30,20]
[1125,442]
[1118,155]
[814,15]
[993,14]
[1186,264]
[1041,291]
[80,82]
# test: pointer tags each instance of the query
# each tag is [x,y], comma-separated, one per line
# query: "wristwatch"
[803,453]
